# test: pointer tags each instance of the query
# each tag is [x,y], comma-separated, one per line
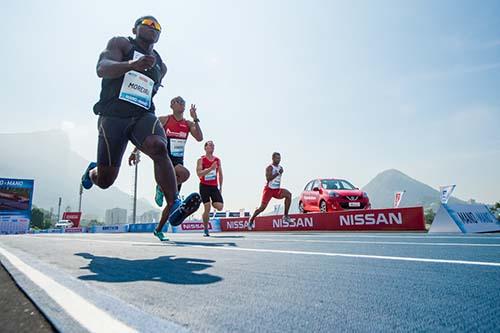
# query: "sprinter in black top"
[131,72]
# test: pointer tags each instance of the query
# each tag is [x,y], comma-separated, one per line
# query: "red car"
[327,195]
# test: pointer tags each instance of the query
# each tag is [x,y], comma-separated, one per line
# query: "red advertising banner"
[73,217]
[391,219]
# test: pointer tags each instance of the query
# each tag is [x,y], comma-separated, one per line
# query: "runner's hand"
[213,166]
[143,63]
[281,171]
[192,111]
[132,159]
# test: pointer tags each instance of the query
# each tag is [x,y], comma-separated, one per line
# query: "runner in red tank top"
[273,189]
[209,171]
[177,130]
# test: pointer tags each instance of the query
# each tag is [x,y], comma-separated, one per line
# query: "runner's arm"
[221,177]
[200,171]
[194,126]
[163,120]
[269,174]
[111,64]
[163,73]
[195,130]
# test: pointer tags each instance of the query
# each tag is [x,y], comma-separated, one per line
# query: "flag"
[446,192]
[398,196]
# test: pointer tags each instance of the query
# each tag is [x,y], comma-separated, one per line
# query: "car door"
[306,196]
[315,195]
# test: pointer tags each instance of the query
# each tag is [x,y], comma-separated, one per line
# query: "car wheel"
[301,208]
[323,207]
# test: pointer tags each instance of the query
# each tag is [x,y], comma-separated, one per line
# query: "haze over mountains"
[46,157]
[381,191]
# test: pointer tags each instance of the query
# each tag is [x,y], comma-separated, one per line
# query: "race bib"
[177,147]
[137,89]
[212,175]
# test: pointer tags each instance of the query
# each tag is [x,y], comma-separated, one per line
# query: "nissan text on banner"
[446,192]
[398,196]
[15,205]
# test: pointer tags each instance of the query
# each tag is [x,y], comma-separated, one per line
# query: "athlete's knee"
[105,182]
[106,177]
[155,147]
[182,173]
[218,205]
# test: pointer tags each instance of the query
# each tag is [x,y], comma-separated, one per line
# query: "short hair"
[206,143]
[177,99]
[276,154]
[140,19]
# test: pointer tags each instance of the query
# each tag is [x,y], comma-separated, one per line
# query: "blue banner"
[15,205]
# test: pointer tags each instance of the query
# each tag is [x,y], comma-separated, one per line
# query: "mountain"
[381,191]
[47,158]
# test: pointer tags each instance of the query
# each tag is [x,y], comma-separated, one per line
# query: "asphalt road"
[261,282]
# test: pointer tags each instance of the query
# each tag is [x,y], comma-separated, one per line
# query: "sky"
[340,88]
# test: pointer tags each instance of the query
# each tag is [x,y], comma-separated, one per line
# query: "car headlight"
[365,195]
[334,194]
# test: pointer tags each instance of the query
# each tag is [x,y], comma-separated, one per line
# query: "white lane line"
[327,254]
[87,314]
[367,242]
[425,236]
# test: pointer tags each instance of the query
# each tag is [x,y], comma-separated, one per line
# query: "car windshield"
[336,184]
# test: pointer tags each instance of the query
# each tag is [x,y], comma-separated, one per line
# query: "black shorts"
[208,193]
[114,134]
[176,160]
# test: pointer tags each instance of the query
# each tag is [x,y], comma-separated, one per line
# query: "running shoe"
[160,236]
[159,196]
[86,181]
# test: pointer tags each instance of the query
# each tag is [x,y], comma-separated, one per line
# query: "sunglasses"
[151,23]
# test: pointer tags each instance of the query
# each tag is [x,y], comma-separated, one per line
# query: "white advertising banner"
[464,218]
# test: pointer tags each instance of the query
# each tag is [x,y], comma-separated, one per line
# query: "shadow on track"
[162,269]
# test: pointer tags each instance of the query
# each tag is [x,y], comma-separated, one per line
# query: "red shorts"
[270,193]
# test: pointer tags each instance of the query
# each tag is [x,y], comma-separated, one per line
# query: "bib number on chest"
[137,89]
[212,175]
[177,147]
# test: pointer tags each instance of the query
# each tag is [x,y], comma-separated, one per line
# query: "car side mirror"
[316,189]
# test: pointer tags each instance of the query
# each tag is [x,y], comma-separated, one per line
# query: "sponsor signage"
[74,217]
[109,228]
[73,230]
[15,205]
[197,226]
[464,218]
[393,219]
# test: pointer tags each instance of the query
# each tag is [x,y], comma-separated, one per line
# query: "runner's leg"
[111,146]
[149,137]
[285,194]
